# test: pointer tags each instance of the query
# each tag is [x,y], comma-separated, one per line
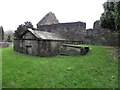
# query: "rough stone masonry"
[76,31]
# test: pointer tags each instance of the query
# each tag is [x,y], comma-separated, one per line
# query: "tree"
[28,24]
[117,15]
[108,6]
[110,19]
[22,28]
[9,39]
[107,18]
[117,23]
[1,33]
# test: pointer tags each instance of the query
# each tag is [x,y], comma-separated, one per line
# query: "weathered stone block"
[74,50]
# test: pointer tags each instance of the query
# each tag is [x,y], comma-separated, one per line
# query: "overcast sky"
[16,12]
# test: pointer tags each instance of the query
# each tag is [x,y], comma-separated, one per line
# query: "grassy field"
[0,68]
[94,70]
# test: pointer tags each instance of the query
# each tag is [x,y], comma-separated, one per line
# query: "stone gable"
[48,19]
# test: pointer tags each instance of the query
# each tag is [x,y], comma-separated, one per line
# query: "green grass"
[0,68]
[94,70]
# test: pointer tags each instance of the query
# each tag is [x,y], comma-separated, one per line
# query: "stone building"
[38,43]
[48,19]
[74,31]
[50,35]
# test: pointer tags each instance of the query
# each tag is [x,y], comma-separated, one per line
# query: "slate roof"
[46,35]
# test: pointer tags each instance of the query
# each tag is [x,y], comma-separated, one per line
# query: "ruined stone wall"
[30,47]
[72,31]
[77,32]
[44,48]
[38,47]
[26,46]
[100,36]
[17,45]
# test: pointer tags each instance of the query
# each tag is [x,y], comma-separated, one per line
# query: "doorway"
[29,50]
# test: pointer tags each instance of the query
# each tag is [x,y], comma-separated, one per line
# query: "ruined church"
[50,35]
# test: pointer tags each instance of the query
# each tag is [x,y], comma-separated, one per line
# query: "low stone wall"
[4,44]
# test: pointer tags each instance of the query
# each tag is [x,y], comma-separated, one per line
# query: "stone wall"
[72,31]
[44,48]
[48,19]
[30,47]
[77,32]
[38,47]
[4,44]
[100,36]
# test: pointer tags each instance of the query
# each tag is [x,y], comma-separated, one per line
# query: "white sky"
[16,12]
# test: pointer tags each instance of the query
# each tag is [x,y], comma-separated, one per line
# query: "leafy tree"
[110,19]
[117,15]
[28,24]
[117,23]
[108,6]
[107,19]
[22,28]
